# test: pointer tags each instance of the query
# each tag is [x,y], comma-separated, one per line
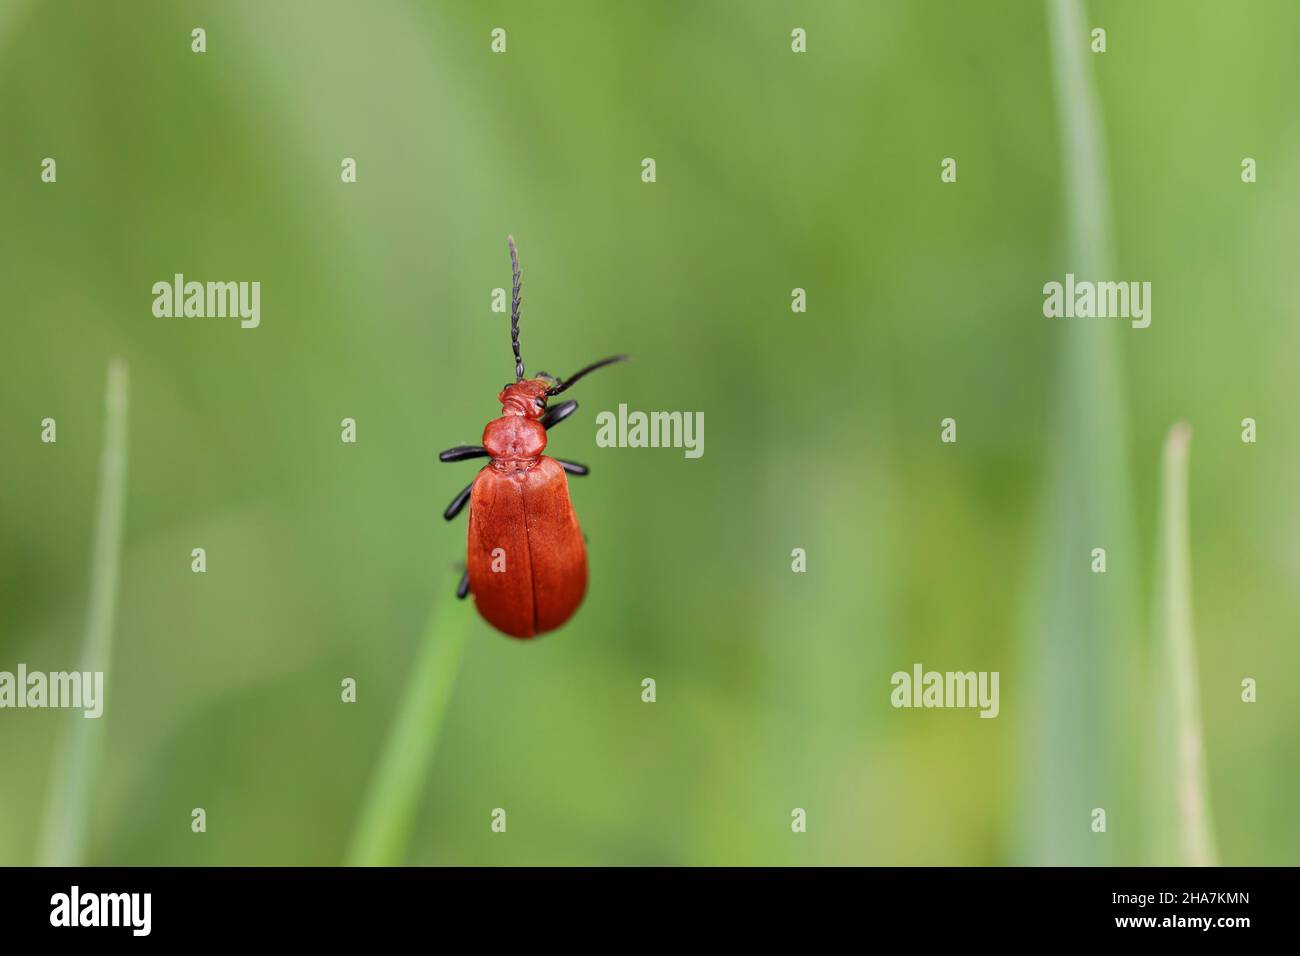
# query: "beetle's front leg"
[462,452]
[558,413]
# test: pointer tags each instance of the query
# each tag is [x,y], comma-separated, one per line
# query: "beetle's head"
[526,398]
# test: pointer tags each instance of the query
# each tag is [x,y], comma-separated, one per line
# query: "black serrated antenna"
[514,309]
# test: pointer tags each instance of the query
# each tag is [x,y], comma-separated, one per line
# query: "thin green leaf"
[1081,629]
[1179,818]
[384,828]
[63,834]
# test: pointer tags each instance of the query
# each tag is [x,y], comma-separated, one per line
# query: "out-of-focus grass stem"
[63,833]
[1183,795]
[1081,629]
[384,828]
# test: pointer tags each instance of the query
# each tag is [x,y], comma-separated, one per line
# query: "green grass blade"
[1179,809]
[384,828]
[1083,145]
[63,834]
[1081,630]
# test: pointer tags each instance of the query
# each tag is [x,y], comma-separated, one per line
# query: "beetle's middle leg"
[572,467]
[458,502]
[463,588]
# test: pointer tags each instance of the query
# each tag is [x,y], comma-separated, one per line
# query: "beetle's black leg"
[461,452]
[458,503]
[557,414]
[463,588]
[573,468]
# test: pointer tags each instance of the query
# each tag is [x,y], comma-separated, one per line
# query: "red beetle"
[526,562]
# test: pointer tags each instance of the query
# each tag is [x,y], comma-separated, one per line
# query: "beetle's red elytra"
[526,562]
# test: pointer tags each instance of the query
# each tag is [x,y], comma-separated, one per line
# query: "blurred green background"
[775,171]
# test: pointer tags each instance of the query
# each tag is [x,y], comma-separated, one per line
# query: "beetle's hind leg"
[462,589]
[458,502]
[572,467]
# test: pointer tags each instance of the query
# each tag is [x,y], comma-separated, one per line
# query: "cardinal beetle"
[526,563]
